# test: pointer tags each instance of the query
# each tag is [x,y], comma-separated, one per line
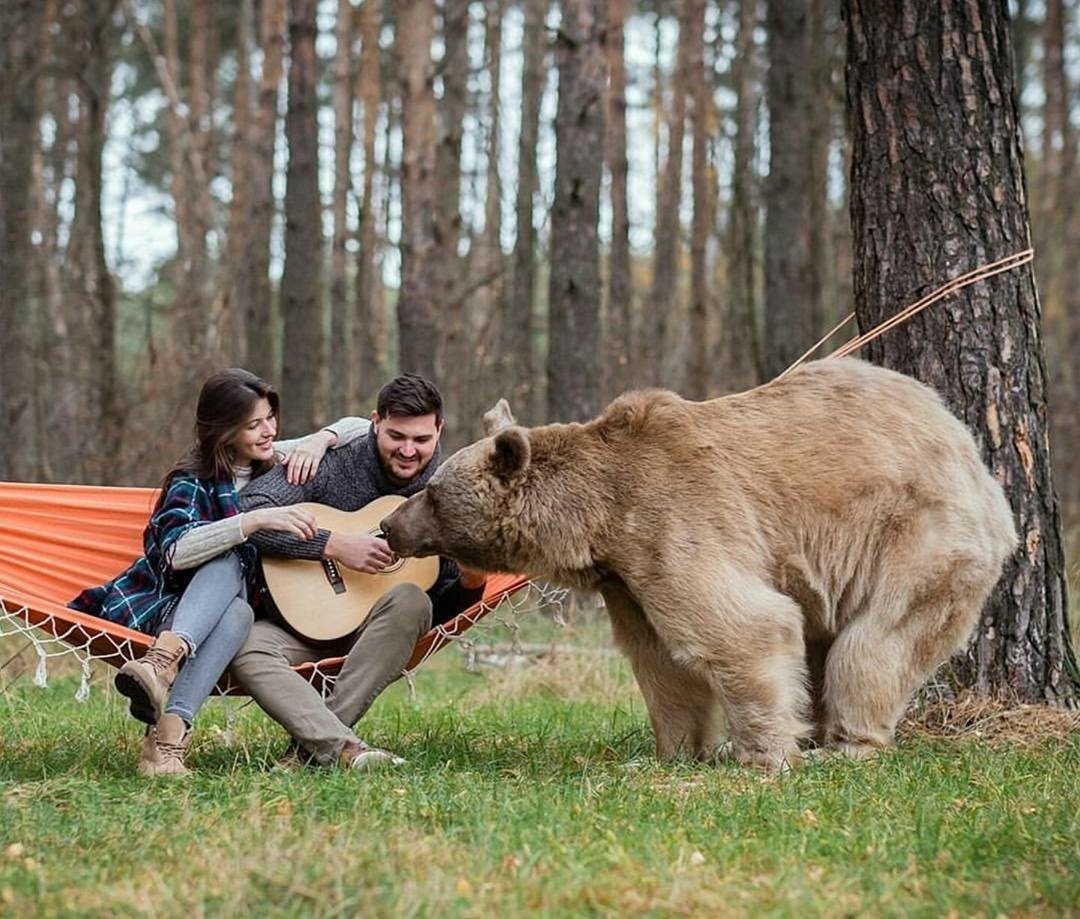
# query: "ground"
[530,790]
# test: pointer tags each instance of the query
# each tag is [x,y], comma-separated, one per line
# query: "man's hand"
[302,464]
[472,578]
[287,519]
[359,551]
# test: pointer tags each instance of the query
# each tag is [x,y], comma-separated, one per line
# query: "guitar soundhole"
[396,566]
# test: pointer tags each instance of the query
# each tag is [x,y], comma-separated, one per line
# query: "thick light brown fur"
[802,555]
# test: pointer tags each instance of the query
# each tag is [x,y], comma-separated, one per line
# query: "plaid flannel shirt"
[143,596]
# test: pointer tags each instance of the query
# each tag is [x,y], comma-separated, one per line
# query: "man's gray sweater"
[348,478]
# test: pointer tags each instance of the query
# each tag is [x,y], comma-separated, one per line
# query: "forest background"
[551,202]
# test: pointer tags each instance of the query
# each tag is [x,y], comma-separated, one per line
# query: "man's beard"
[396,479]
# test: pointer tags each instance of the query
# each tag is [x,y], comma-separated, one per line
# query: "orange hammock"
[57,539]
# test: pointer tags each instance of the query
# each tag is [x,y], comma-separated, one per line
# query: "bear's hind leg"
[682,706]
[889,649]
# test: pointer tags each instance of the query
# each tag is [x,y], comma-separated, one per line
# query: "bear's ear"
[511,455]
[498,417]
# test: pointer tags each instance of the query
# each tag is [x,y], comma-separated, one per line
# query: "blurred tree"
[241,168]
[519,364]
[89,285]
[574,290]
[740,352]
[418,331]
[937,189]
[792,319]
[703,183]
[254,295]
[450,268]
[341,364]
[368,324]
[20,35]
[301,281]
[618,305]
[667,238]
[1056,239]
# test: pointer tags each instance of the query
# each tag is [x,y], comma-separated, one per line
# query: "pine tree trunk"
[20,33]
[618,304]
[574,292]
[341,363]
[700,356]
[301,280]
[368,326]
[790,324]
[740,349]
[519,365]
[938,189]
[418,339]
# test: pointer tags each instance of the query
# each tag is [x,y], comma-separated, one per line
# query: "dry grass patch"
[996,722]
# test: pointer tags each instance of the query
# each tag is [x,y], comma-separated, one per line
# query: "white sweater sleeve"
[206,541]
[347,430]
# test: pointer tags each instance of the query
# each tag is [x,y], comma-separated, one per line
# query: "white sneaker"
[359,755]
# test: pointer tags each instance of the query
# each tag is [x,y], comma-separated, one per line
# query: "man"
[397,457]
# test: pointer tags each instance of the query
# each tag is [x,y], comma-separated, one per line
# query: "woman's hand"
[289,519]
[303,462]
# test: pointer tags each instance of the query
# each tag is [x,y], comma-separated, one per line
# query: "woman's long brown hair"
[226,401]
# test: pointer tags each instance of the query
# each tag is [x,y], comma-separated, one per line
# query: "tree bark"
[938,189]
[368,325]
[519,365]
[20,32]
[301,280]
[790,323]
[575,282]
[418,339]
[618,304]
[740,346]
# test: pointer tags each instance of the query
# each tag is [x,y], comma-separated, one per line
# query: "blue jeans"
[214,618]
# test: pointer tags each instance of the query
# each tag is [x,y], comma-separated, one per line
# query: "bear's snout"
[404,532]
[388,531]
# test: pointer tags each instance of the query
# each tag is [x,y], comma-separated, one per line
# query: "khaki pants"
[374,657]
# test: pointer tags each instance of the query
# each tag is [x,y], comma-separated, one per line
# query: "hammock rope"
[57,539]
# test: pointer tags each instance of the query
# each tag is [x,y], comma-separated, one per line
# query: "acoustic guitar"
[322,600]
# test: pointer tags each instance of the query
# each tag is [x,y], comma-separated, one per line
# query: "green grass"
[527,791]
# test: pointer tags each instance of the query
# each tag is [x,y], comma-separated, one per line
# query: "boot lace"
[160,658]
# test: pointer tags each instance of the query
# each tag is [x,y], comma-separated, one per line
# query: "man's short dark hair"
[410,395]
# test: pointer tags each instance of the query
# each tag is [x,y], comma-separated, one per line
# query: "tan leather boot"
[147,681]
[163,747]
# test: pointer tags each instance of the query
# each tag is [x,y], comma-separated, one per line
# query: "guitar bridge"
[333,575]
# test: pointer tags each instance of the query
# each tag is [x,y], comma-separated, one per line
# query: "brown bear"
[802,555]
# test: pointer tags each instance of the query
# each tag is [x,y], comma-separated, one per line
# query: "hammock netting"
[57,539]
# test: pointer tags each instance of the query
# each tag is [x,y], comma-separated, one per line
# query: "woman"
[190,588]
